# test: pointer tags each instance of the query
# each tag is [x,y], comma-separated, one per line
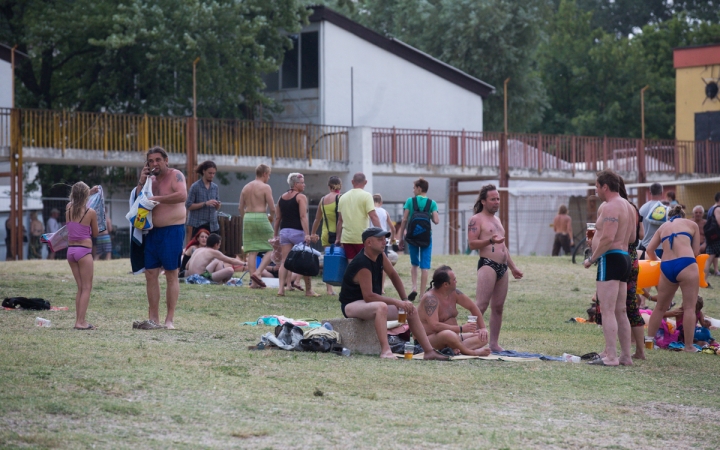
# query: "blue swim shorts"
[163,247]
[420,256]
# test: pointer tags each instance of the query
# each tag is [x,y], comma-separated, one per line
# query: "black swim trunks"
[614,265]
[499,269]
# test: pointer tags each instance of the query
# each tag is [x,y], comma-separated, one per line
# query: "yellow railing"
[136,133]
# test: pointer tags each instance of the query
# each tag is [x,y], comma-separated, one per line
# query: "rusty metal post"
[463,149]
[540,153]
[504,194]
[573,148]
[605,152]
[191,151]
[641,174]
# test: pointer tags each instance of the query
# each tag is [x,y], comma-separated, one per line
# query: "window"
[300,67]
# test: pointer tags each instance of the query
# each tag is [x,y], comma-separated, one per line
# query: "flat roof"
[696,55]
[404,51]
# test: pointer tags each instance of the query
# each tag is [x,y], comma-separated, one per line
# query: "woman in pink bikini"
[82,225]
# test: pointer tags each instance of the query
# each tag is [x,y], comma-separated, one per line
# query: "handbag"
[332,235]
[303,260]
[140,215]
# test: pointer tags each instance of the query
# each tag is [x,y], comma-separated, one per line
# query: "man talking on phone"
[164,242]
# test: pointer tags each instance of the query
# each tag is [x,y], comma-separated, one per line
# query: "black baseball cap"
[374,232]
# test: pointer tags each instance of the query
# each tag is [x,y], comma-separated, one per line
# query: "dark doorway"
[707,142]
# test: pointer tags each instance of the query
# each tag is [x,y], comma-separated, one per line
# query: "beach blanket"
[256,232]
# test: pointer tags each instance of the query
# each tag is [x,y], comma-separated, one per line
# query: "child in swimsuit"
[82,225]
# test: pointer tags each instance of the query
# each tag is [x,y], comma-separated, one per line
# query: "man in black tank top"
[361,293]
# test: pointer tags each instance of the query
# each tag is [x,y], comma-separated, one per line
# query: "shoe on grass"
[149,325]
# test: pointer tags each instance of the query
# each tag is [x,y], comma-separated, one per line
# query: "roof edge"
[404,51]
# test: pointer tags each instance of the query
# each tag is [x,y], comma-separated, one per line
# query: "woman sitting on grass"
[680,240]
[82,225]
[198,241]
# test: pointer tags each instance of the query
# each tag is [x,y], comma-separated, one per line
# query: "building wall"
[5,84]
[388,90]
[689,97]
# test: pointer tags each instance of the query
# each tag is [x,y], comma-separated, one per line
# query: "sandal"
[89,327]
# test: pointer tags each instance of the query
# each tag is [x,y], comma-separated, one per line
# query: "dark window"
[290,65]
[272,81]
[309,60]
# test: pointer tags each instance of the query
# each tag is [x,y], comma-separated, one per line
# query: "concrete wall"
[690,98]
[5,84]
[388,90]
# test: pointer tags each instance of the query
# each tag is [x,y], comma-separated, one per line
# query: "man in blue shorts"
[164,242]
[615,228]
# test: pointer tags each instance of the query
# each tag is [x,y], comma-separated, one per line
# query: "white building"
[341,73]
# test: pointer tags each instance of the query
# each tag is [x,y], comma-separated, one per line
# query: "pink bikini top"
[78,231]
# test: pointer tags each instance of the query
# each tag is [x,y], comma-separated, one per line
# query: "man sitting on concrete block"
[361,293]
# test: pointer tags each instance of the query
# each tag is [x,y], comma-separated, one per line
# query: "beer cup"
[409,350]
[590,233]
[402,315]
[472,319]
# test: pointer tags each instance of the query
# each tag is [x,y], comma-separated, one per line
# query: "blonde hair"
[78,198]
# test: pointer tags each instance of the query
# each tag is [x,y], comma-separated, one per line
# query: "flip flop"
[314,294]
[598,362]
[412,296]
[257,280]
[89,327]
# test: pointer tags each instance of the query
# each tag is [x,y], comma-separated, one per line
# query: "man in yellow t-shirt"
[354,209]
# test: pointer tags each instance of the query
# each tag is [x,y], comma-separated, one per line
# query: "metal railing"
[544,152]
[133,133]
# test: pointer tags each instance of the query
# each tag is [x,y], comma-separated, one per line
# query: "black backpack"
[711,229]
[419,231]
[26,303]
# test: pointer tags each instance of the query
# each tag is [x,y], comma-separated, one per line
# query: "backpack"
[26,303]
[711,228]
[419,231]
[657,214]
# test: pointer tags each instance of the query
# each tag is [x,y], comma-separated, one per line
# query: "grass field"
[199,386]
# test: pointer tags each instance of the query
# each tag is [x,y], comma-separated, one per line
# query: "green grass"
[199,386]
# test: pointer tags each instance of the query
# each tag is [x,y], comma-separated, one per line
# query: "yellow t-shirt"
[354,206]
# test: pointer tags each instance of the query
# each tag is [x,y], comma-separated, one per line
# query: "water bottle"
[345,352]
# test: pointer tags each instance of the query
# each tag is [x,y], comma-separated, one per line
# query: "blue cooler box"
[334,265]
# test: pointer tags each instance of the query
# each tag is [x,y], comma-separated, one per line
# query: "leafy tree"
[488,39]
[627,16]
[136,55]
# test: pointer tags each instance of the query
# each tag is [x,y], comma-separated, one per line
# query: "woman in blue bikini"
[680,240]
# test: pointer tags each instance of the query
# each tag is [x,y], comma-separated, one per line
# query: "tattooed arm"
[178,189]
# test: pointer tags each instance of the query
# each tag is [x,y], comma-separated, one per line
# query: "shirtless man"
[697,217]
[487,235]
[164,242]
[361,293]
[208,262]
[562,225]
[614,229]
[438,314]
[255,200]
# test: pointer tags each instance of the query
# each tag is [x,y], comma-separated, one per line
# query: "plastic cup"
[590,233]
[402,315]
[409,350]
[40,322]
[472,319]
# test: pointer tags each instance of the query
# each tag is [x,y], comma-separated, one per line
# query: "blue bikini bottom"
[671,269]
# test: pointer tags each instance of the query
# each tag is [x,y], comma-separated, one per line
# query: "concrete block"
[357,335]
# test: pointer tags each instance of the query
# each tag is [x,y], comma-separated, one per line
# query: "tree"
[490,40]
[136,55]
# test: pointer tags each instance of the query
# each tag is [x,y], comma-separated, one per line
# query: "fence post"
[63,135]
[105,134]
[605,157]
[429,148]
[146,133]
[504,194]
[540,155]
[462,151]
[641,174]
[453,217]
[573,148]
[676,154]
[707,156]
[308,147]
[394,147]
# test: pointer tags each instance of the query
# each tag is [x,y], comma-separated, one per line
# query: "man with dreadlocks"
[487,235]
[438,314]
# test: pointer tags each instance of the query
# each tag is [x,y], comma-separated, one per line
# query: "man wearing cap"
[361,293]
